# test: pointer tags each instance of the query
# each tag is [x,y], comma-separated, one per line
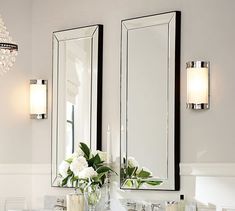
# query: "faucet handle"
[131,204]
[143,207]
[60,204]
[157,206]
[60,200]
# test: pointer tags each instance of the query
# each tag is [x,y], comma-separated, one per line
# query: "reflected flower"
[132,162]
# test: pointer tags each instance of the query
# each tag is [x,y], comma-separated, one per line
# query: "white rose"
[87,173]
[76,154]
[63,169]
[132,162]
[79,152]
[78,164]
[102,155]
[71,156]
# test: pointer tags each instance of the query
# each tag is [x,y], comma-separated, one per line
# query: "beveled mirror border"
[176,134]
[98,109]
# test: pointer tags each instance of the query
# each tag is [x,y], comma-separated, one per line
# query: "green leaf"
[154,182]
[128,183]
[64,181]
[70,173]
[139,182]
[94,161]
[74,178]
[69,160]
[102,179]
[104,169]
[99,176]
[144,174]
[85,149]
[131,171]
[99,165]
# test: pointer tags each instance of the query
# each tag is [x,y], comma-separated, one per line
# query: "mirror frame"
[130,24]
[96,34]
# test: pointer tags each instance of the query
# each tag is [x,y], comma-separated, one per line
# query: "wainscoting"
[211,184]
[29,181]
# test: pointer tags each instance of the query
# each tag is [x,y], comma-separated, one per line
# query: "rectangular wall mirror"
[77,92]
[150,95]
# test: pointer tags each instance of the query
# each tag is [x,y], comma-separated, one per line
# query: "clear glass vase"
[92,195]
[75,202]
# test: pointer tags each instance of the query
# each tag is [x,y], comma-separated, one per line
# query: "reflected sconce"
[198,84]
[38,99]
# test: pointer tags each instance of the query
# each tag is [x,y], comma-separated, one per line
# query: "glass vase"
[75,202]
[92,196]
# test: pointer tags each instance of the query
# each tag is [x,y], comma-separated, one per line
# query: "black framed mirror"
[150,102]
[77,92]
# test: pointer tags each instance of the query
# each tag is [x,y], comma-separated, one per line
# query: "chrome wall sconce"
[198,84]
[38,99]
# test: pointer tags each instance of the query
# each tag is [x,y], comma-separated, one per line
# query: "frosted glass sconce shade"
[197,84]
[38,99]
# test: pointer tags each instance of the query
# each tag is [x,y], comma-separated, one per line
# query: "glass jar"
[92,195]
[75,202]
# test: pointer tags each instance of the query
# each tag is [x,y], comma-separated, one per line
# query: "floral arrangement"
[135,176]
[84,168]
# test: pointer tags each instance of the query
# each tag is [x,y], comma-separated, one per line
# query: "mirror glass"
[77,62]
[150,102]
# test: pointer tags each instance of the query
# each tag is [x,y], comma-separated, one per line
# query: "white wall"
[15,181]
[207,33]
[15,125]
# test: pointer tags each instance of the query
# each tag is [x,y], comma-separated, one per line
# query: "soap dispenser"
[181,204]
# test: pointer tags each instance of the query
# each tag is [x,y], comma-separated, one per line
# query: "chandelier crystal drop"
[8,49]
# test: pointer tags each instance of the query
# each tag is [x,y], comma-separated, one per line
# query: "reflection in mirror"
[150,102]
[77,62]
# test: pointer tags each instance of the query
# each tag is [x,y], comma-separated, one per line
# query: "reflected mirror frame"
[176,107]
[55,52]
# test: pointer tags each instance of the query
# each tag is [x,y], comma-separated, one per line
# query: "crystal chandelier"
[8,49]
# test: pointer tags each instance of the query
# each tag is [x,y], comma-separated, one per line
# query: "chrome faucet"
[143,207]
[60,205]
[132,205]
[157,206]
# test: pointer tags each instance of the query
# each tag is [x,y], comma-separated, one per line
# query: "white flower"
[87,173]
[71,156]
[78,164]
[79,152]
[132,162]
[63,169]
[76,154]
[102,155]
